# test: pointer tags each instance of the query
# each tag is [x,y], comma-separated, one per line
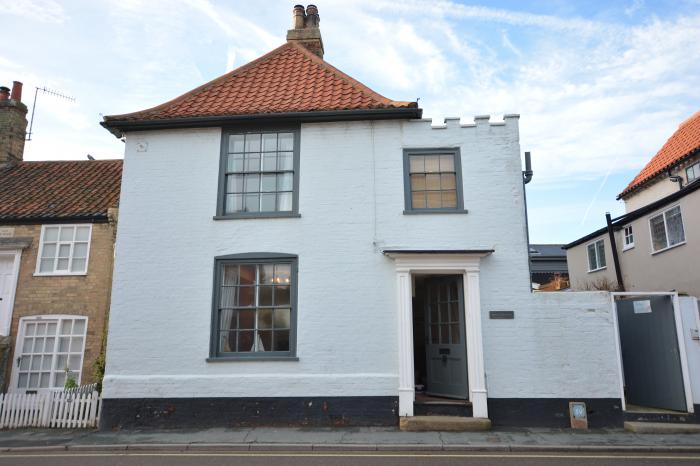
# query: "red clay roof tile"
[684,141]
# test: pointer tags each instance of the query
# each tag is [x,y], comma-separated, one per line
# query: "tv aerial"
[51,92]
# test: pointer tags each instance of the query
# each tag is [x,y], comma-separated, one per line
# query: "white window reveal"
[667,229]
[596,255]
[692,173]
[629,238]
[49,352]
[64,250]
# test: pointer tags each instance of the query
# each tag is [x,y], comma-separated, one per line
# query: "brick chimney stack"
[13,124]
[306,31]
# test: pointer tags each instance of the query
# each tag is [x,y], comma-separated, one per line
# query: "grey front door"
[651,360]
[445,338]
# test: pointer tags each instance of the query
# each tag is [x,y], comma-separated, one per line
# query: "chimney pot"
[16,91]
[305,30]
[298,17]
[4,93]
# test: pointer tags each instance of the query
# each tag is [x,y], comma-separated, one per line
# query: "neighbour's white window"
[629,237]
[693,172]
[596,255]
[49,351]
[667,229]
[64,249]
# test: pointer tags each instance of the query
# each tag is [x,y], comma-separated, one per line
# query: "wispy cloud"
[44,11]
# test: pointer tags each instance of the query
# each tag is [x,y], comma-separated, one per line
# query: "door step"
[660,416]
[661,428]
[444,424]
[444,407]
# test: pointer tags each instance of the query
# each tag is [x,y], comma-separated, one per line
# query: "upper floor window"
[254,306]
[629,237]
[596,255]
[667,229]
[64,250]
[259,174]
[432,180]
[693,172]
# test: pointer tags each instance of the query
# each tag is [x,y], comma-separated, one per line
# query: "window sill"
[598,269]
[257,215]
[667,248]
[434,211]
[61,274]
[627,248]
[252,358]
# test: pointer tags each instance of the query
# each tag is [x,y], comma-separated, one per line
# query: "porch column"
[406,376]
[475,349]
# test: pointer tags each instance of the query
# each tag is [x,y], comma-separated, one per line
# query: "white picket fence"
[62,410]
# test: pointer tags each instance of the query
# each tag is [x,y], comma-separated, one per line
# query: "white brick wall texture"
[351,204]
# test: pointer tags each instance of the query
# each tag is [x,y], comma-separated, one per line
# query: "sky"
[599,85]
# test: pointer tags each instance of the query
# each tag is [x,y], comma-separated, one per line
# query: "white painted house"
[294,248]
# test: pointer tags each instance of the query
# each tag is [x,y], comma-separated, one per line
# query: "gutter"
[100,218]
[653,177]
[118,127]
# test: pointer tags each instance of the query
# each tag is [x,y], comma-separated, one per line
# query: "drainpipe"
[527,177]
[613,246]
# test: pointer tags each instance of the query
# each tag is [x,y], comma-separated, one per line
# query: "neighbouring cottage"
[296,249]
[57,232]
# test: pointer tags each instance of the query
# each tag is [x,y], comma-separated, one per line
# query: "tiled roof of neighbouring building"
[288,79]
[684,142]
[59,190]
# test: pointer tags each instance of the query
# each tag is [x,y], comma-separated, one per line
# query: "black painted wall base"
[680,418]
[553,412]
[180,413]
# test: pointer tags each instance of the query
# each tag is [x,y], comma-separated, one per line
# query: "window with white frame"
[666,229]
[693,172]
[596,255]
[64,249]
[49,351]
[629,237]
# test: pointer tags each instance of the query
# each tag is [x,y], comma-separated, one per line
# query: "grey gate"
[651,358]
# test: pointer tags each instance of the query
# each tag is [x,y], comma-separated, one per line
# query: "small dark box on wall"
[501,314]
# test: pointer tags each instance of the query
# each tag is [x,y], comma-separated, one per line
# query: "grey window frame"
[695,168]
[223,153]
[254,258]
[599,257]
[459,187]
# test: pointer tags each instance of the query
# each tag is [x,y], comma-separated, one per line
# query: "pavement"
[346,439]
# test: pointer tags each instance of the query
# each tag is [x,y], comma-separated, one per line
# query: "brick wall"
[13,126]
[87,295]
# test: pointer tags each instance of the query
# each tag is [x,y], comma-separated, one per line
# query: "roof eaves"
[641,183]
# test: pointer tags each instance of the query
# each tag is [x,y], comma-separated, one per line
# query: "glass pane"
[235,163]
[283,273]
[416,164]
[265,341]
[27,345]
[434,199]
[284,202]
[286,141]
[432,182]
[227,319]
[454,312]
[601,253]
[41,329]
[49,251]
[447,181]
[674,224]
[62,264]
[46,363]
[658,232]
[252,162]
[66,327]
[455,334]
[269,183]
[592,263]
[432,163]
[22,381]
[247,274]
[269,141]
[265,296]
[38,345]
[62,363]
[281,342]
[227,342]
[48,345]
[284,182]
[33,381]
[245,341]
[444,313]
[80,250]
[246,296]
[79,327]
[418,200]
[282,318]
[417,182]
[51,234]
[285,161]
[235,143]
[444,334]
[44,380]
[252,142]
[82,234]
[63,344]
[24,363]
[30,329]
[234,203]
[234,183]
[229,275]
[51,328]
[433,313]
[268,202]
[46,265]
[246,319]
[74,362]
[447,163]
[67,233]
[265,318]
[449,199]
[252,183]
[270,162]
[76,345]
[64,250]
[434,334]
[78,265]
[266,273]
[252,203]
[282,295]
[60,379]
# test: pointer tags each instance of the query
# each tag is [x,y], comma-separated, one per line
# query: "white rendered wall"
[351,205]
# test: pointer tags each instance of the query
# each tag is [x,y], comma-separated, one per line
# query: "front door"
[445,337]
[651,360]
[8,281]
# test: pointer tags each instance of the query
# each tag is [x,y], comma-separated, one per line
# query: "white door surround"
[9,273]
[465,263]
